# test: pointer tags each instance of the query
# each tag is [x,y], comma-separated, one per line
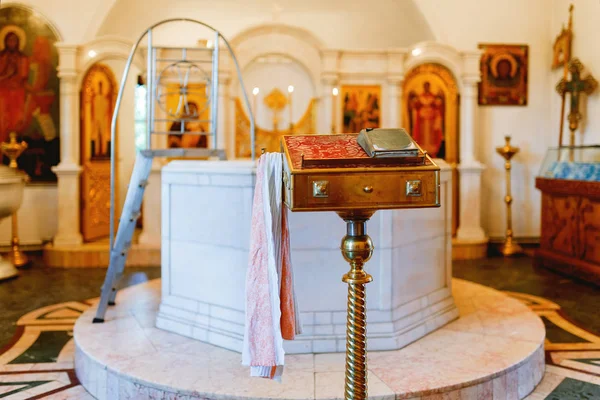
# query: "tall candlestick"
[509,247]
[290,91]
[334,92]
[255,92]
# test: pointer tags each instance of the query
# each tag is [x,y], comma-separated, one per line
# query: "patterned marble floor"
[38,362]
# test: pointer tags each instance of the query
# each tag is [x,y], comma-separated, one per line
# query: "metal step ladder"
[130,214]
[155,123]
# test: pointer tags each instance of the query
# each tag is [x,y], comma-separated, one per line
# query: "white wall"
[353,24]
[466,25]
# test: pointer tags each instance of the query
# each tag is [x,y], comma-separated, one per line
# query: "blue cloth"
[579,171]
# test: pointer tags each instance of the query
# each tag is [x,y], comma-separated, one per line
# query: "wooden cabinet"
[570,232]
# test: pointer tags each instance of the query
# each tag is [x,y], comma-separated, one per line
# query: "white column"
[68,170]
[325,117]
[469,227]
[393,118]
[329,79]
[395,77]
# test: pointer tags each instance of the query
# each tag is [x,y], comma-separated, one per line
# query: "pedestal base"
[494,350]
[96,255]
[510,248]
[18,258]
[469,249]
[7,269]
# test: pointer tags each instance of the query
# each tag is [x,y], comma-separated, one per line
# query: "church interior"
[175,175]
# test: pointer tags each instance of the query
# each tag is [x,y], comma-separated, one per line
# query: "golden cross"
[575,87]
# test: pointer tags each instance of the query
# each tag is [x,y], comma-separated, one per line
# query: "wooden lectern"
[333,173]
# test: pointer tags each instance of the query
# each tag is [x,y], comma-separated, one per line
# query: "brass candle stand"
[12,149]
[509,247]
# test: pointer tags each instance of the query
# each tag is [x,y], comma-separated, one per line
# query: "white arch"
[106,47]
[433,52]
[49,22]
[293,42]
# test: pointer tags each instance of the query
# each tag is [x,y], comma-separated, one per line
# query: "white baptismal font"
[206,212]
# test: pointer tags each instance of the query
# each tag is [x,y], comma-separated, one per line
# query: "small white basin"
[12,183]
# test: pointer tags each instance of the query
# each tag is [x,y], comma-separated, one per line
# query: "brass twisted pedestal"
[13,150]
[510,247]
[357,249]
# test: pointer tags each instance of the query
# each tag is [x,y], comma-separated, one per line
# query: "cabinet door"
[95,200]
[560,223]
[589,231]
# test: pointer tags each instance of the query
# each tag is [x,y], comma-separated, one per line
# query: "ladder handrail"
[113,125]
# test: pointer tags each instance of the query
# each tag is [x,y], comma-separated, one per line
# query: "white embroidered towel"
[271,308]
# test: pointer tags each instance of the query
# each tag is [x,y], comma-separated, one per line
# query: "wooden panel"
[570,234]
[559,224]
[589,231]
[95,200]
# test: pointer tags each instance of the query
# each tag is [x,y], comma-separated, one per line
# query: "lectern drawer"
[366,190]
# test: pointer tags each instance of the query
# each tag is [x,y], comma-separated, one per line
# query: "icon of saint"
[190,118]
[426,111]
[100,122]
[14,71]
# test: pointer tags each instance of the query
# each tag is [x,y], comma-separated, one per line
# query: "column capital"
[469,86]
[64,47]
[469,80]
[67,75]
[67,60]
[329,78]
[395,79]
[471,60]
[395,63]
[330,61]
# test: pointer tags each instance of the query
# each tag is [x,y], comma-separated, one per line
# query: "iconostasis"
[282,98]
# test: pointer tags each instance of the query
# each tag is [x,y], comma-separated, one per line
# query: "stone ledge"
[495,350]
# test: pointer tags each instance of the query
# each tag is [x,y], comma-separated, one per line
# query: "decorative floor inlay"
[38,363]
[494,348]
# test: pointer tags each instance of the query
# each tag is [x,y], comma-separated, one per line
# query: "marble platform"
[206,219]
[495,350]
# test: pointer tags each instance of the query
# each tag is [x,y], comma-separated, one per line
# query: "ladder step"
[125,249]
[134,216]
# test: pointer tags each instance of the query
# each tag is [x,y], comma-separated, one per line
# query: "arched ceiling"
[337,23]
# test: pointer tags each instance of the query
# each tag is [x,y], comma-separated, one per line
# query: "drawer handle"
[320,188]
[368,189]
